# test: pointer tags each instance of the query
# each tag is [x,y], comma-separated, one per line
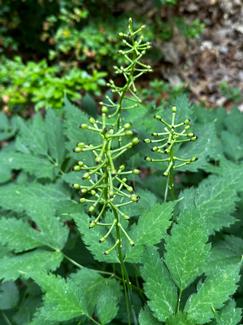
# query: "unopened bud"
[135,141]
[134,198]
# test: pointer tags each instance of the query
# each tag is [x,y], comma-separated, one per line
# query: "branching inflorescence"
[166,141]
[108,187]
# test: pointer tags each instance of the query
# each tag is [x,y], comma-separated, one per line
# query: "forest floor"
[211,65]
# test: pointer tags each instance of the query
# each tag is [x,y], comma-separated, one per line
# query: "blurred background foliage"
[53,48]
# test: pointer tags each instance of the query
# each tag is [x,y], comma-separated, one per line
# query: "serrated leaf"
[186,250]
[83,293]
[55,136]
[159,287]
[146,317]
[31,198]
[91,239]
[39,143]
[106,309]
[18,235]
[13,267]
[150,229]
[232,145]
[213,293]
[233,121]
[229,314]
[31,138]
[63,299]
[73,118]
[40,203]
[9,295]
[227,251]
[204,148]
[36,166]
[7,127]
[215,200]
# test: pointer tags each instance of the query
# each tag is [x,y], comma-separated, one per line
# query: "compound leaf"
[18,236]
[150,229]
[229,314]
[186,250]
[159,287]
[146,317]
[213,293]
[13,267]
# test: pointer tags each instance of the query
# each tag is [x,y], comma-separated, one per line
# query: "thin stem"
[93,320]
[125,279]
[179,300]
[6,318]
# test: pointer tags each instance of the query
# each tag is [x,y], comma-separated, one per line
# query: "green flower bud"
[76,186]
[93,192]
[157,117]
[83,126]
[134,198]
[104,109]
[122,167]
[136,171]
[148,158]
[77,150]
[128,132]
[187,121]
[135,141]
[76,168]
[190,134]
[86,176]
[82,200]
[92,120]
[92,224]
[80,163]
[130,189]
[147,140]
[127,125]
[91,209]
[173,109]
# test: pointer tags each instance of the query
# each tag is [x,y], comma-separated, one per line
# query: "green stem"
[170,184]
[6,318]
[125,279]
[93,320]
[179,300]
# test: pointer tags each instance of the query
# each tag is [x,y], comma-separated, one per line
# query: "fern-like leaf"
[186,250]
[159,287]
[213,293]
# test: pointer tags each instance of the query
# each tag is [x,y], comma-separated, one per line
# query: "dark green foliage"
[191,278]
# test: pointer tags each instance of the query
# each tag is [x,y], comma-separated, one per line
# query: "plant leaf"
[13,267]
[150,229]
[146,317]
[159,287]
[213,293]
[186,250]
